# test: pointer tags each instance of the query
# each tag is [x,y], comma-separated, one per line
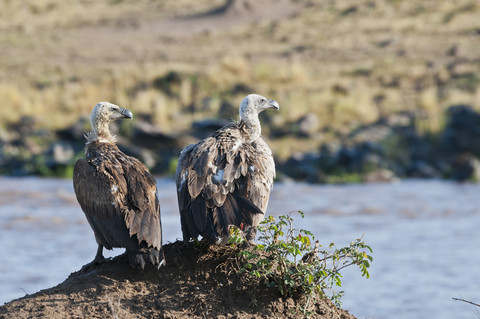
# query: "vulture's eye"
[262,100]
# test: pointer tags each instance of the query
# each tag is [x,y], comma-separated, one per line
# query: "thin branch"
[467,301]
[345,266]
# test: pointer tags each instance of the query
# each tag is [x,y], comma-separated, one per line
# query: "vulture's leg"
[99,256]
[99,259]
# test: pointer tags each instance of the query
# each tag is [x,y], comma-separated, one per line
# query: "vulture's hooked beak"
[274,104]
[126,113]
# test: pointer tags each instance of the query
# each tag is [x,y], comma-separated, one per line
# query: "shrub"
[292,260]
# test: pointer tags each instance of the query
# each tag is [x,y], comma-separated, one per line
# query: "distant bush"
[292,260]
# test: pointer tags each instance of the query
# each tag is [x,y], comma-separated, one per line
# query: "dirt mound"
[198,282]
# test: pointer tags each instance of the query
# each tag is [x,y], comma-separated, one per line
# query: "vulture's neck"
[100,132]
[252,126]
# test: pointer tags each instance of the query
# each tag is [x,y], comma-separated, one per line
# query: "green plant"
[292,260]
[235,236]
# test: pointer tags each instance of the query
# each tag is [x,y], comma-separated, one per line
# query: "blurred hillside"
[335,67]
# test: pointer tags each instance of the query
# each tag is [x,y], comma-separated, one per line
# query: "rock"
[155,148]
[331,160]
[308,125]
[227,110]
[372,133]
[305,127]
[241,89]
[303,166]
[422,169]
[358,158]
[453,50]
[378,131]
[76,132]
[465,167]
[378,151]
[328,153]
[402,119]
[5,136]
[349,158]
[142,154]
[149,136]
[204,128]
[380,176]
[169,83]
[25,126]
[62,152]
[462,132]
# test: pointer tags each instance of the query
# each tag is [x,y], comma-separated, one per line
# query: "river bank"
[392,147]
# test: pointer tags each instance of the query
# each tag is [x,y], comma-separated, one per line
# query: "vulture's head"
[253,104]
[105,112]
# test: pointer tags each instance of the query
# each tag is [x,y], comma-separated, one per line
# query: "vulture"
[226,178]
[118,194]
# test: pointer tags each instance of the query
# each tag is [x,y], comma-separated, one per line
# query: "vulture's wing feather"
[141,206]
[120,202]
[189,229]
[98,203]
[220,182]
[198,212]
[262,171]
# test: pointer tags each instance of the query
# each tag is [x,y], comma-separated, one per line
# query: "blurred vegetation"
[348,62]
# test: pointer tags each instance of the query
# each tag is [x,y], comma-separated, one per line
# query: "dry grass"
[349,62]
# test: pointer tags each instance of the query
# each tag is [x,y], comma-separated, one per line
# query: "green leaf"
[275,259]
[306,240]
[310,278]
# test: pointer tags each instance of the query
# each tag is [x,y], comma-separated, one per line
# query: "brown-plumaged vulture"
[226,179]
[118,194]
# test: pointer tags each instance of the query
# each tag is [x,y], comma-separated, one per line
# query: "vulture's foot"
[94,263]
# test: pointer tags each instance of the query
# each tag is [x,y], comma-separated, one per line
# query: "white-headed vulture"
[118,194]
[226,179]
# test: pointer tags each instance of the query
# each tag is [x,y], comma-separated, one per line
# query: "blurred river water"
[424,234]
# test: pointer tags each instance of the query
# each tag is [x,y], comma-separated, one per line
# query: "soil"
[198,281]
